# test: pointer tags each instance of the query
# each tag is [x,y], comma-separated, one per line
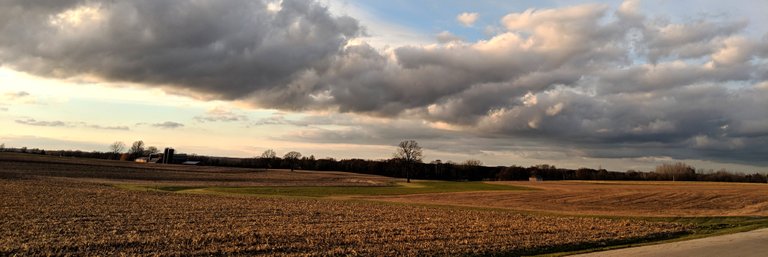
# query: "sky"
[600,84]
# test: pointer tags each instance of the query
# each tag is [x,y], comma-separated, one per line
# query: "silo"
[168,155]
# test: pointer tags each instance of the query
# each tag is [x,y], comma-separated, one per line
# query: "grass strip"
[327,191]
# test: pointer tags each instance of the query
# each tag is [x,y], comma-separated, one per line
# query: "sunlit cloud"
[467,18]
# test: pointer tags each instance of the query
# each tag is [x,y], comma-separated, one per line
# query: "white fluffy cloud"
[467,18]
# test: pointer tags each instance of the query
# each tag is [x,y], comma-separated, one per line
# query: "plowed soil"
[615,198]
[67,209]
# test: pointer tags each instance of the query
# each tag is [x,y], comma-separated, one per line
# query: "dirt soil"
[614,198]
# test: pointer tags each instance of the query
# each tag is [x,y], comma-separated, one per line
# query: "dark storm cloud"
[585,76]
[383,134]
[703,120]
[216,49]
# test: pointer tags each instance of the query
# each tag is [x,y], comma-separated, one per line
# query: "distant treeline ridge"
[448,170]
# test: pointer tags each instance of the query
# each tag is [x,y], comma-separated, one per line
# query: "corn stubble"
[51,217]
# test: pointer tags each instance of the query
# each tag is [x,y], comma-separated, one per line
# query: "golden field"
[60,206]
[654,199]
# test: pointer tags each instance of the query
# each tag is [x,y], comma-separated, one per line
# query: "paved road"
[746,244]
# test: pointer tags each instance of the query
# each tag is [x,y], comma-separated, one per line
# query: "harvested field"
[689,199]
[44,217]
[106,171]
[64,208]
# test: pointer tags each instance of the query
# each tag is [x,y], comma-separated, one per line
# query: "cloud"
[368,133]
[108,127]
[467,18]
[278,119]
[168,125]
[220,114]
[565,76]
[33,122]
[211,49]
[16,95]
[3,109]
[21,97]
[587,77]
[447,37]
[40,123]
[689,40]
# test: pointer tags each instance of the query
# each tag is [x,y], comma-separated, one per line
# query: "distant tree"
[409,153]
[473,163]
[471,168]
[117,148]
[136,150]
[268,157]
[269,154]
[292,158]
[2,147]
[152,150]
[545,167]
[512,173]
[438,167]
[677,171]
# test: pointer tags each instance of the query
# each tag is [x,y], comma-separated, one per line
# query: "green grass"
[711,226]
[328,191]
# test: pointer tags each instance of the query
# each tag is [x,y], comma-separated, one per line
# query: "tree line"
[407,163]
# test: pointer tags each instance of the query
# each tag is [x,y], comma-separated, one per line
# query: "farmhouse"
[536,178]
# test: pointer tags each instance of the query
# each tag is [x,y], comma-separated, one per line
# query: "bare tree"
[137,149]
[473,163]
[152,150]
[409,152]
[268,157]
[292,157]
[117,148]
[471,168]
[269,154]
[677,171]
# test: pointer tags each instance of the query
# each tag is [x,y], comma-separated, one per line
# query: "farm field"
[112,172]
[659,199]
[43,217]
[60,206]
